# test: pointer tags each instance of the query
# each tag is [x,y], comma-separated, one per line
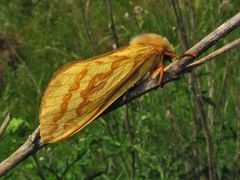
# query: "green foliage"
[161,142]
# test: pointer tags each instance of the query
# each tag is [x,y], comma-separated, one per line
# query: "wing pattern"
[80,91]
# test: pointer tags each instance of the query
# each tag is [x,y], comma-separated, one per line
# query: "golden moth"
[80,91]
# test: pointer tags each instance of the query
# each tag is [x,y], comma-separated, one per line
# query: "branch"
[214,54]
[32,145]
[5,124]
[178,66]
[174,71]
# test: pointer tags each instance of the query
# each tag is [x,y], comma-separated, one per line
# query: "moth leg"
[159,71]
[154,73]
[193,54]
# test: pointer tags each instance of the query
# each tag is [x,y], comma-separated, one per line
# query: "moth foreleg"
[159,71]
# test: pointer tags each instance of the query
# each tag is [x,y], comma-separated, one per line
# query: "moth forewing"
[80,91]
[67,108]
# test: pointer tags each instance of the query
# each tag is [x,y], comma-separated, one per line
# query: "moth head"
[154,40]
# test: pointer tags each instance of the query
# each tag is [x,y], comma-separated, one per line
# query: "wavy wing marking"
[80,91]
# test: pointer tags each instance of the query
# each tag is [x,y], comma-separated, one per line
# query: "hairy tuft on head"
[154,40]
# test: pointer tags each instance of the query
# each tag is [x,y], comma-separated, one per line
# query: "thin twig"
[39,169]
[70,165]
[53,171]
[172,73]
[237,156]
[112,25]
[196,89]
[195,86]
[127,119]
[181,26]
[131,137]
[188,34]
[207,133]
[87,26]
[28,70]
[220,105]
[5,124]
[214,54]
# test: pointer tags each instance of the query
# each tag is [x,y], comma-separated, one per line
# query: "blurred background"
[187,130]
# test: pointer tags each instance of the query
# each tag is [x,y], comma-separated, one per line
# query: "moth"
[80,91]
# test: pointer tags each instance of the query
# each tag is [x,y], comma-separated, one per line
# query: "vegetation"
[161,135]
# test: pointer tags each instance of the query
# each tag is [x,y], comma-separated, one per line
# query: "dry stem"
[5,124]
